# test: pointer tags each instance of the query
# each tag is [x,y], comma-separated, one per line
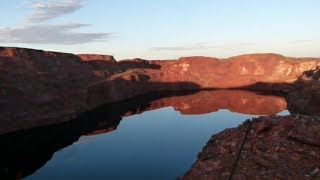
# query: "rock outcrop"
[96,57]
[39,87]
[241,71]
[266,148]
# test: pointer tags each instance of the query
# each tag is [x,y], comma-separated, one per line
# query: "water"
[160,143]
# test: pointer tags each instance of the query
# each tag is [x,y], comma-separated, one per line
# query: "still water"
[157,140]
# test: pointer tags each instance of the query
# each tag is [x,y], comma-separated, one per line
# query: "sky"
[163,29]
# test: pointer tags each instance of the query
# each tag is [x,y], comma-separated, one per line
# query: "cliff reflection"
[239,101]
[23,152]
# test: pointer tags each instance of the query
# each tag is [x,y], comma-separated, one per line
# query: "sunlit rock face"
[239,71]
[258,71]
[41,87]
[96,57]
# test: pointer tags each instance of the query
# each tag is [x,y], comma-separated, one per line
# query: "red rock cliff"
[93,57]
[257,71]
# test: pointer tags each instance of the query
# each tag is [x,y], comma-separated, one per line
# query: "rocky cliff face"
[258,72]
[40,87]
[96,57]
[240,71]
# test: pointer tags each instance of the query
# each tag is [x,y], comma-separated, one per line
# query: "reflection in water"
[202,102]
[160,143]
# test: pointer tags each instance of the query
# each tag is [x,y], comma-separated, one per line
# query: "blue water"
[158,144]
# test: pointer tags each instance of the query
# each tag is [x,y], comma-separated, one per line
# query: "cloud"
[174,48]
[203,46]
[189,47]
[35,28]
[53,34]
[301,41]
[246,44]
[45,10]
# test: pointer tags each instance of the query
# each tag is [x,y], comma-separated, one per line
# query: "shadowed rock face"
[305,99]
[40,87]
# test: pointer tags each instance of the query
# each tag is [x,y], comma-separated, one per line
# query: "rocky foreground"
[265,148]
[40,88]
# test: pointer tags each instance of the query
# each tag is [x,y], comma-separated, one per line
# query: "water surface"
[158,137]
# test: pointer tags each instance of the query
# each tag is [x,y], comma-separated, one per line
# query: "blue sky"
[163,29]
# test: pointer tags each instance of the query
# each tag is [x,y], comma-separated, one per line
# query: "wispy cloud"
[246,44]
[45,10]
[54,34]
[301,41]
[202,46]
[195,46]
[36,29]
